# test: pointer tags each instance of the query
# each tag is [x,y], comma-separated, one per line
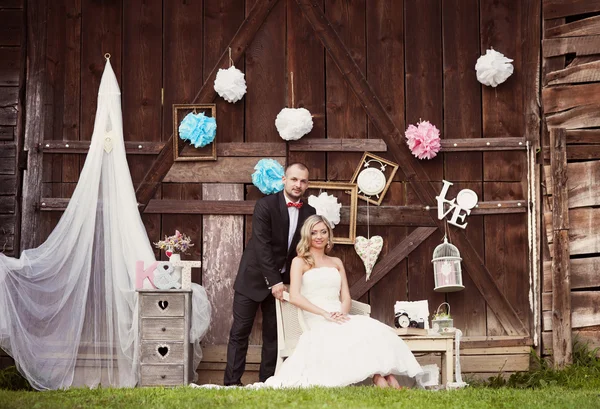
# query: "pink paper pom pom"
[423,140]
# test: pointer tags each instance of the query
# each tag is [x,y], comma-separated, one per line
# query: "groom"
[263,271]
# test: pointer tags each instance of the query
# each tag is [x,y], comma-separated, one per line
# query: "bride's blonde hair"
[303,248]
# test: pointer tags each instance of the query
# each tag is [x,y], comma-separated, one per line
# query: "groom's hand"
[277,291]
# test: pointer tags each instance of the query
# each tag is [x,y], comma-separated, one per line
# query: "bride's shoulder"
[338,262]
[301,263]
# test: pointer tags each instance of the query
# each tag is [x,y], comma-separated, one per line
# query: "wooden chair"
[290,325]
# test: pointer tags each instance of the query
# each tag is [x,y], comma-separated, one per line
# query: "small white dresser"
[164,327]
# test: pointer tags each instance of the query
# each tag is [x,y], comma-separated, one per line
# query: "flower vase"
[177,269]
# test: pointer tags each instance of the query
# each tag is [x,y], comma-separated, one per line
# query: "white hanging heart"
[368,250]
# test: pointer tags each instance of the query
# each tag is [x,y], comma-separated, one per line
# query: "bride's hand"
[336,317]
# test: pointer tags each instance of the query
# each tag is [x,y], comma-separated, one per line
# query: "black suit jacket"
[267,253]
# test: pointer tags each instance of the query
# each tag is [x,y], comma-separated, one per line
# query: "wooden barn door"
[365,69]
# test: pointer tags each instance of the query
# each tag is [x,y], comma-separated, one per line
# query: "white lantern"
[446,268]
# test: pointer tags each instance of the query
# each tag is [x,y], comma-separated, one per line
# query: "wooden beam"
[584,45]
[561,293]
[589,136]
[583,273]
[578,152]
[555,99]
[338,145]
[483,144]
[413,170]
[562,8]
[587,26]
[589,72]
[584,116]
[242,38]
[35,97]
[400,252]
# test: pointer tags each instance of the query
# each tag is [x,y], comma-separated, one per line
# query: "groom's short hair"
[299,165]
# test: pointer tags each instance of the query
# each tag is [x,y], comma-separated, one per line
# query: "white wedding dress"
[332,354]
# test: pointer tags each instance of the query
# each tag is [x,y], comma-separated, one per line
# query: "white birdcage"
[446,268]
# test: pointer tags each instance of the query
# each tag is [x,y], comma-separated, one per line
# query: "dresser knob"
[163,329]
[163,376]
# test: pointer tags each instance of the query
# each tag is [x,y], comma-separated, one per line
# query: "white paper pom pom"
[493,68]
[293,123]
[230,84]
[327,206]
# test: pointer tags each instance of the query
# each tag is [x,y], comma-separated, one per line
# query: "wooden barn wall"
[12,68]
[570,100]
[418,57]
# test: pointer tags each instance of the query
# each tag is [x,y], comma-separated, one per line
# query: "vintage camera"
[403,320]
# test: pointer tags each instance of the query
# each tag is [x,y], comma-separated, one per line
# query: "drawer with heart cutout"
[162,305]
[162,352]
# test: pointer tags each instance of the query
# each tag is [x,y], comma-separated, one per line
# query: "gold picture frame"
[389,175]
[350,201]
[183,151]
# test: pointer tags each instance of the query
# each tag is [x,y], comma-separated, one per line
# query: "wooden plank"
[7,133]
[583,179]
[583,45]
[10,62]
[584,310]
[561,8]
[11,25]
[463,119]
[583,231]
[495,363]
[238,44]
[583,273]
[561,294]
[266,76]
[8,116]
[35,98]
[561,98]
[345,116]
[385,46]
[309,88]
[266,149]
[338,145]
[589,72]
[495,350]
[505,109]
[589,136]
[462,92]
[412,168]
[424,88]
[12,4]
[223,244]
[142,43]
[212,207]
[402,250]
[7,204]
[586,26]
[579,117]
[486,144]
[101,33]
[506,252]
[9,96]
[577,152]
[223,170]
[495,341]
[221,21]
[585,336]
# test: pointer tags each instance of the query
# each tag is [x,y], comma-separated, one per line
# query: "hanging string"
[292,79]
[230,59]
[368,222]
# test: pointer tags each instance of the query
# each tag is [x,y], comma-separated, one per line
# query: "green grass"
[575,387]
[342,398]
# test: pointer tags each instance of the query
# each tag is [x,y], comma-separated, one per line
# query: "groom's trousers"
[244,312]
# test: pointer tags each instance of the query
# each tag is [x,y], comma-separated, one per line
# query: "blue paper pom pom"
[267,176]
[199,129]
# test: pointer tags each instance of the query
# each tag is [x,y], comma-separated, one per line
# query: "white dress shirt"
[293,212]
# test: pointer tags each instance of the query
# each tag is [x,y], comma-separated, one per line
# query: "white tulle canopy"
[69,306]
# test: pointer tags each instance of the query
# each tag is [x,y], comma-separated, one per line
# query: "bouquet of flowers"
[175,244]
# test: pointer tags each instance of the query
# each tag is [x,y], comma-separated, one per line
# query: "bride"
[337,349]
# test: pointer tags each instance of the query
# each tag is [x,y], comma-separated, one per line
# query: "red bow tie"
[296,205]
